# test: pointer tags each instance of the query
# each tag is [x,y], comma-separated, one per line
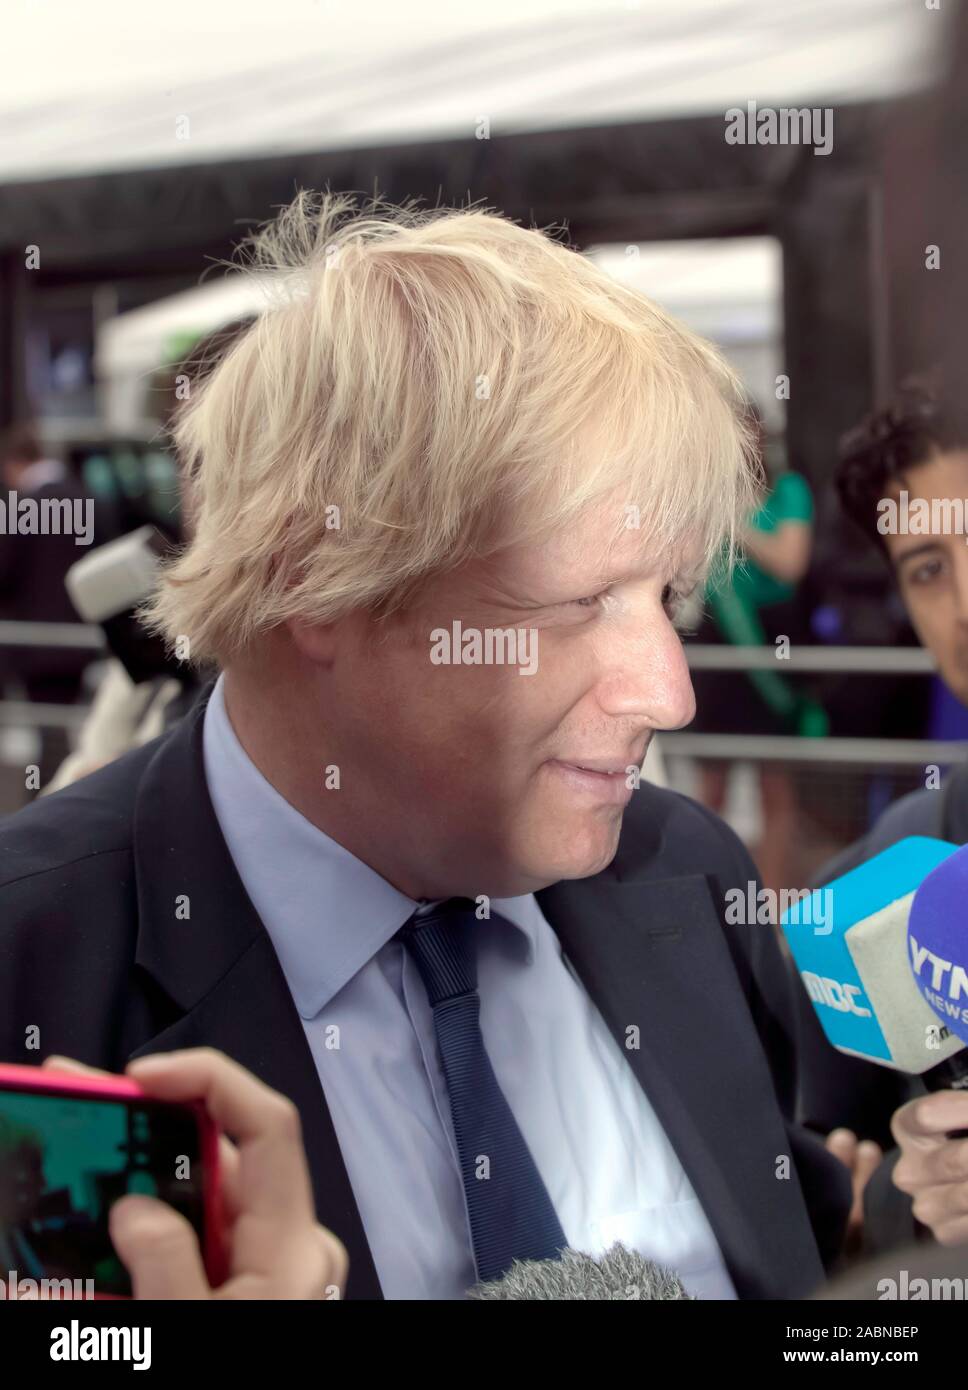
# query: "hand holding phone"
[262,1230]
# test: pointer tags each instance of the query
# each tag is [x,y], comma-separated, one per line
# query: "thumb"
[159,1248]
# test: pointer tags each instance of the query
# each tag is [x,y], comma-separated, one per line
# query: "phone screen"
[65,1159]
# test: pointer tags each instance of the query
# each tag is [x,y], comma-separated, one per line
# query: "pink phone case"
[215,1253]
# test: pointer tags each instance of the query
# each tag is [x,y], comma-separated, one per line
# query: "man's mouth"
[606,779]
[606,766]
[609,771]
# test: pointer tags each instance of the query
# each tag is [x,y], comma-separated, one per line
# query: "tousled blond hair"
[443,378]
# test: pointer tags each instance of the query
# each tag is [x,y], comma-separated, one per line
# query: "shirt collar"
[326,912]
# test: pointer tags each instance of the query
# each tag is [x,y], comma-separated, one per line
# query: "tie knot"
[442,945]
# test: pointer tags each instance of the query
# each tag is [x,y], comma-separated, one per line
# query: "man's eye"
[585,602]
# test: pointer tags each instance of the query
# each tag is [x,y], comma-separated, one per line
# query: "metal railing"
[885,752]
[22,714]
[69,635]
[871,661]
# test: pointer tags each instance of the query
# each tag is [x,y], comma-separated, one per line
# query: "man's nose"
[645,675]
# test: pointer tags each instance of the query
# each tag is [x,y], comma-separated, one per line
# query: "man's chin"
[585,855]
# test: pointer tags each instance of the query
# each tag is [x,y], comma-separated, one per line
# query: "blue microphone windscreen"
[938,941]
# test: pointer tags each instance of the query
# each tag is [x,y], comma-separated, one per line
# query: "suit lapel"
[201,940]
[653,957]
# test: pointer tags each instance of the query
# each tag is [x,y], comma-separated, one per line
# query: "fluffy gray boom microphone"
[619,1274]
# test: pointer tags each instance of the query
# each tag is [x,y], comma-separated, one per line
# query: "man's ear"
[316,641]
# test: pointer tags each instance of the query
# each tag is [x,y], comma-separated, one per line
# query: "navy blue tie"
[510,1211]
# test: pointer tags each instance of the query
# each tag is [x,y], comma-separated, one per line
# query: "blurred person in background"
[32,570]
[916,444]
[753,604]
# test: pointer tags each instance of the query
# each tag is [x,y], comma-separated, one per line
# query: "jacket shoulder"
[671,834]
[91,816]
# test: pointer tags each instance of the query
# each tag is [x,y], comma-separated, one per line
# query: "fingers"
[861,1158]
[336,1263]
[314,1265]
[57,1063]
[944,1210]
[274,1183]
[928,1156]
[843,1144]
[954,1232]
[159,1248]
[933,1168]
[229,1177]
[278,1249]
[924,1123]
[868,1157]
[156,1244]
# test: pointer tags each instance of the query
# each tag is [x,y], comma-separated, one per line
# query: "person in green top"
[754,604]
[778,553]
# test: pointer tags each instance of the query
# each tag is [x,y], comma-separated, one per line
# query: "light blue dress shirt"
[608,1166]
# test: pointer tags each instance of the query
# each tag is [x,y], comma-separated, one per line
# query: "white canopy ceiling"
[106,84]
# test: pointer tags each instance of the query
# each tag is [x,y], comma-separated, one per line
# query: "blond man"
[448,494]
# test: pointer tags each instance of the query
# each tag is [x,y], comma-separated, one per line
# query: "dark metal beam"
[13,296]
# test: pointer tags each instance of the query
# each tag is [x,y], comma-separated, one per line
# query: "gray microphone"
[107,586]
[618,1275]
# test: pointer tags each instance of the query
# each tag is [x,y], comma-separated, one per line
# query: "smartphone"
[70,1146]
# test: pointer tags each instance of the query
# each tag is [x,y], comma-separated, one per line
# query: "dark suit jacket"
[91,951]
